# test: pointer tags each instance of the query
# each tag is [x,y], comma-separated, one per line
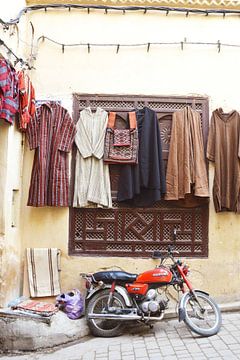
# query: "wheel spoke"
[202,314]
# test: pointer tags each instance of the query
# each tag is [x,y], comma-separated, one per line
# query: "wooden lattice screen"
[137,232]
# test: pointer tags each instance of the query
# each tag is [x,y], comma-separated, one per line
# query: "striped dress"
[51,133]
[92,180]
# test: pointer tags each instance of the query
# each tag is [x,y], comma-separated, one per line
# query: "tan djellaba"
[186,168]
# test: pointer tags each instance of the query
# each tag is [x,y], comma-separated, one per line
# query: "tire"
[207,322]
[101,327]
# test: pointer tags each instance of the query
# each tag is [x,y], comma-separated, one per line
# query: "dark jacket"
[144,183]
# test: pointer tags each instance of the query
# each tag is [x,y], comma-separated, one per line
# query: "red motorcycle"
[117,296]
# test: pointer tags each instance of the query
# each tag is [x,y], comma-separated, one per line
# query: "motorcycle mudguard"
[181,310]
[119,289]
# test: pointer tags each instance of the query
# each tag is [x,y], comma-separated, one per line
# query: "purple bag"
[71,303]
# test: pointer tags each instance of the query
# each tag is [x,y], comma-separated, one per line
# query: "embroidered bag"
[121,145]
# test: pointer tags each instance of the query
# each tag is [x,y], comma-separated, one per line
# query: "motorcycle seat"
[119,276]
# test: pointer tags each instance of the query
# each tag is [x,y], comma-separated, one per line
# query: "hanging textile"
[92,180]
[9,101]
[143,184]
[224,150]
[186,167]
[51,132]
[43,266]
[26,100]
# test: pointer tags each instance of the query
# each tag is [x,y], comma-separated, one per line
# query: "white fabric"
[43,271]
[92,179]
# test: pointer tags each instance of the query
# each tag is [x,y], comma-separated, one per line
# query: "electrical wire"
[182,44]
[123,9]
[17,58]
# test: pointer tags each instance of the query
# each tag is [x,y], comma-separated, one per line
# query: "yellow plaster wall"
[166,70]
[11,161]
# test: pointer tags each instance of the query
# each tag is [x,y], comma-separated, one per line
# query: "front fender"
[119,289]
[181,307]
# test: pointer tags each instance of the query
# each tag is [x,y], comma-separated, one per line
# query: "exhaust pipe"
[114,317]
[124,317]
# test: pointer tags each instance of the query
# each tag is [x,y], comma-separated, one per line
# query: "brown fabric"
[224,149]
[186,168]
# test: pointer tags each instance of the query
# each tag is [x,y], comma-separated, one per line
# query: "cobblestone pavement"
[168,340]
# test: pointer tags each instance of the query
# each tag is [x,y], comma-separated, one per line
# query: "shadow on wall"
[3,171]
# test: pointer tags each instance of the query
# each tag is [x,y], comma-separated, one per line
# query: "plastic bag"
[71,303]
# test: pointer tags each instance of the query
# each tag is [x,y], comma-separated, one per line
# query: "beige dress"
[92,180]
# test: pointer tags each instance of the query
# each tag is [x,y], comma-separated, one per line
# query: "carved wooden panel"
[137,232]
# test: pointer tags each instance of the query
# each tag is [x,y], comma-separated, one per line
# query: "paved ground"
[168,340]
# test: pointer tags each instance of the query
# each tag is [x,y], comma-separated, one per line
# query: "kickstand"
[145,323]
[149,325]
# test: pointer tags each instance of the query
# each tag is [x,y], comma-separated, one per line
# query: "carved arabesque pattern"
[137,232]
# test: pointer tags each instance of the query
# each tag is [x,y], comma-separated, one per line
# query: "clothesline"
[182,44]
[123,9]
[18,59]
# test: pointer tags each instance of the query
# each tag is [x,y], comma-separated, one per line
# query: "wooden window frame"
[96,232]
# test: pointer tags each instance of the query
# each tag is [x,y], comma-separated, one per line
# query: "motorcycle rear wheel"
[102,327]
[204,319]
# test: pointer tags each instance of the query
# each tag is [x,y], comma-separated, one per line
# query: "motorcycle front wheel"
[97,305]
[202,314]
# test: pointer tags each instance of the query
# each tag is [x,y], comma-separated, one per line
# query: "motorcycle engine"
[153,302]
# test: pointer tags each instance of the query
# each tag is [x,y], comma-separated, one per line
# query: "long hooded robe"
[186,168]
[92,179]
[143,184]
[51,133]
[224,150]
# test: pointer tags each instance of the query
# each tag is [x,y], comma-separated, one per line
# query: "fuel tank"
[160,274]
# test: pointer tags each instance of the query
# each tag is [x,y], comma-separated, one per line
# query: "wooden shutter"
[137,232]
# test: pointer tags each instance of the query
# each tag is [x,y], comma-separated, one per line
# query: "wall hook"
[219,46]
[118,47]
[88,48]
[148,47]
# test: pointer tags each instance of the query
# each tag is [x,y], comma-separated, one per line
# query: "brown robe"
[224,149]
[186,168]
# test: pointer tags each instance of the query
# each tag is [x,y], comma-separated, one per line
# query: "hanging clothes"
[9,101]
[26,100]
[51,132]
[223,149]
[92,179]
[143,184]
[186,167]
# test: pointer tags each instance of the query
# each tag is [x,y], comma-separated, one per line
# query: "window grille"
[136,232]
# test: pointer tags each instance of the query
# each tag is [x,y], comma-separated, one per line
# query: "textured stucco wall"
[165,70]
[11,156]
